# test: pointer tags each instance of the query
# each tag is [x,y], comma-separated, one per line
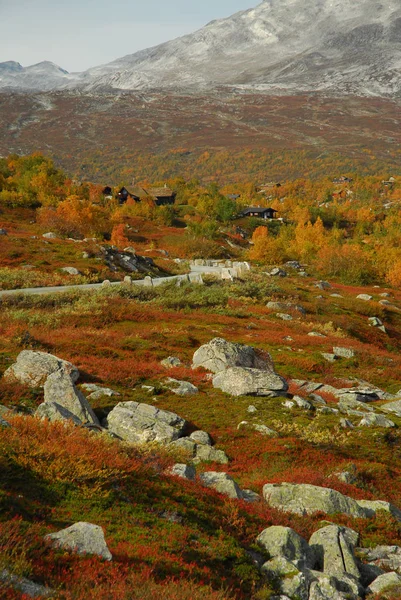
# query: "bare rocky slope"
[280,45]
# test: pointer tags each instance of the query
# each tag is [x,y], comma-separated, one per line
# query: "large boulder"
[142,423]
[219,355]
[60,389]
[306,499]
[32,368]
[389,582]
[284,541]
[372,506]
[292,581]
[241,381]
[27,587]
[334,550]
[82,538]
[55,412]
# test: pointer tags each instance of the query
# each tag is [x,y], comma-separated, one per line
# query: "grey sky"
[78,34]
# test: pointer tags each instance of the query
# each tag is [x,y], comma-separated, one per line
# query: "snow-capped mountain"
[340,46]
[43,76]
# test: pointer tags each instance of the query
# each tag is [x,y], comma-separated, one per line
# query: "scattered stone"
[181,388]
[219,355]
[241,381]
[82,538]
[327,410]
[201,437]
[305,499]
[344,352]
[4,424]
[336,296]
[250,496]
[292,581]
[316,334]
[60,389]
[252,409]
[383,583]
[372,506]
[24,585]
[384,557]
[318,399]
[170,362]
[357,394]
[329,357]
[32,368]
[323,285]
[184,471]
[143,423]
[293,264]
[49,235]
[284,316]
[186,445]
[376,322]
[206,453]
[221,482]
[374,420]
[349,476]
[276,305]
[106,283]
[277,272]
[302,403]
[393,407]
[150,389]
[288,404]
[70,270]
[283,541]
[3,232]
[345,424]
[365,297]
[263,429]
[385,295]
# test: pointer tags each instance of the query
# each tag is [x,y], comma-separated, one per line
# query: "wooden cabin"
[162,195]
[260,212]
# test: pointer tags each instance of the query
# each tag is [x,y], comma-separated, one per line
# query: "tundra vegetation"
[171,537]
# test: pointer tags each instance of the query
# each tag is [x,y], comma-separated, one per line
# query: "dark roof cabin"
[136,194]
[259,211]
[162,195]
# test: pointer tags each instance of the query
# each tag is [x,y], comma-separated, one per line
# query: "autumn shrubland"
[172,538]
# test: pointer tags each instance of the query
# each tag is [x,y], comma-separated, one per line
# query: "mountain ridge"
[289,47]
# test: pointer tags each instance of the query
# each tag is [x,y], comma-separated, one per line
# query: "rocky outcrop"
[55,412]
[333,547]
[32,368]
[82,538]
[219,355]
[142,423]
[60,389]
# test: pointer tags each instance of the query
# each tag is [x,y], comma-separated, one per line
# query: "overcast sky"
[78,34]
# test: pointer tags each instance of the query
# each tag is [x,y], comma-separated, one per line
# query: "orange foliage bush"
[118,236]
[75,217]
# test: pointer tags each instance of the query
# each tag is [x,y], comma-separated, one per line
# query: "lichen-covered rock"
[334,550]
[55,412]
[383,557]
[306,499]
[60,389]
[32,368]
[206,453]
[292,581]
[201,437]
[142,423]
[184,471]
[393,407]
[387,582]
[82,538]
[170,362]
[374,420]
[372,506]
[181,388]
[98,391]
[219,355]
[241,381]
[284,541]
[325,588]
[25,586]
[221,482]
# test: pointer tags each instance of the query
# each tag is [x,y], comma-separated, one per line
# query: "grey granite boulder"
[32,368]
[170,362]
[374,420]
[292,581]
[383,557]
[387,582]
[205,453]
[334,549]
[325,588]
[242,381]
[98,391]
[372,506]
[201,437]
[184,471]
[392,407]
[25,586]
[306,499]
[221,482]
[82,538]
[219,355]
[60,389]
[143,423]
[55,412]
[181,388]
[284,541]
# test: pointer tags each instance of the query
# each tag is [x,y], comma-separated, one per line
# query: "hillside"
[232,439]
